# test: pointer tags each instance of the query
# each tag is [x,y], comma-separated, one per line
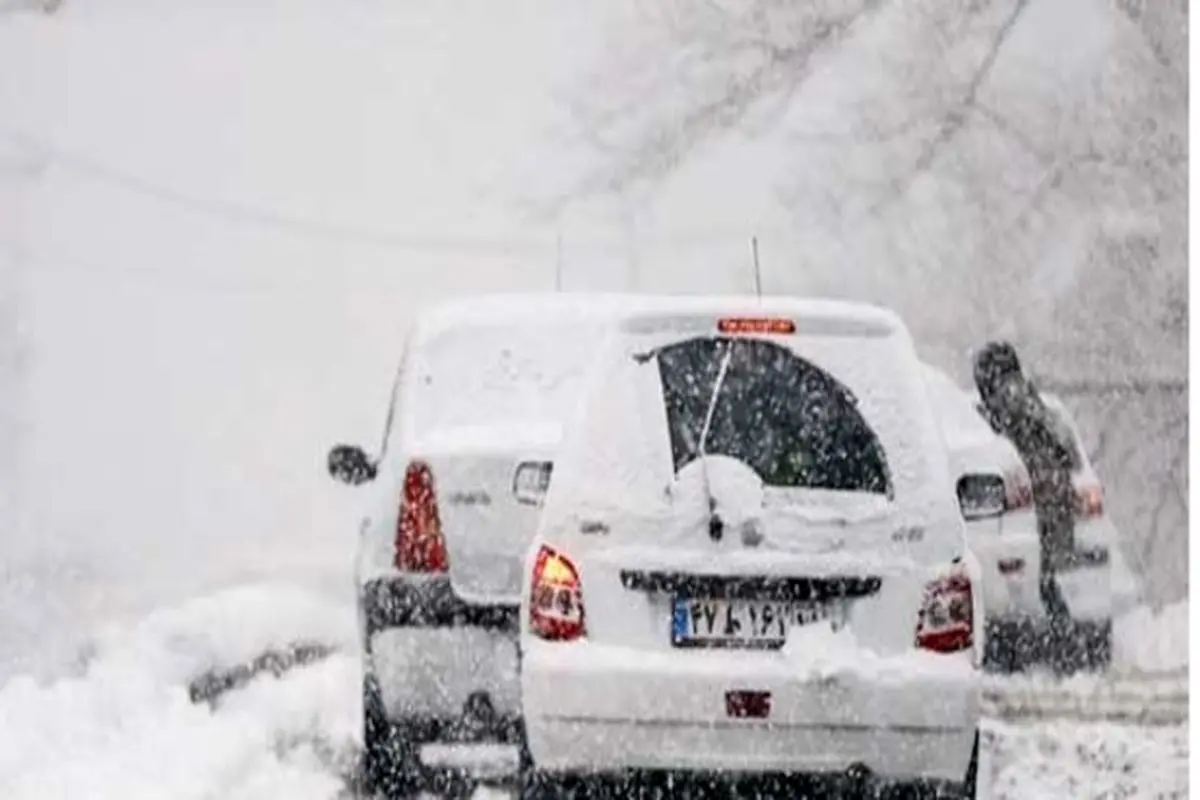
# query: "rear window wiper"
[649,355]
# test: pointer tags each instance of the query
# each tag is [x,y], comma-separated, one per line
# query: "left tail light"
[556,598]
[420,543]
[946,623]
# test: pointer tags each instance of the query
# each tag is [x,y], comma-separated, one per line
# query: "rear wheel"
[391,766]
[971,781]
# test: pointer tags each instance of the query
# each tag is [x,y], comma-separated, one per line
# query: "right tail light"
[556,598]
[946,623]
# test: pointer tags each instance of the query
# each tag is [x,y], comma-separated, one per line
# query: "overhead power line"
[243,215]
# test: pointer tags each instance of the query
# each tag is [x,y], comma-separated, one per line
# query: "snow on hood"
[126,728]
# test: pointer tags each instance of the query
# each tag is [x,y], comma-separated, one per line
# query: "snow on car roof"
[954,408]
[818,315]
[488,310]
[491,309]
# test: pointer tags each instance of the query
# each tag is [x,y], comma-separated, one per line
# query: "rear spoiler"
[802,324]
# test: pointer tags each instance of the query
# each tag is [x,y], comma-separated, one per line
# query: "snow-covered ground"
[125,727]
[122,726]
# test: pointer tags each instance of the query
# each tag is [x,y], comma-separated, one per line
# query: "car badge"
[752,534]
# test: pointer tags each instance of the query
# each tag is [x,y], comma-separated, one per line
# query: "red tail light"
[1018,490]
[420,546]
[946,623]
[556,598]
[1089,502]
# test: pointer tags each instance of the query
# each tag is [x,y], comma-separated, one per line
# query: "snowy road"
[123,726]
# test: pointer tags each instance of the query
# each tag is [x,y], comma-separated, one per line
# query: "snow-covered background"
[216,221]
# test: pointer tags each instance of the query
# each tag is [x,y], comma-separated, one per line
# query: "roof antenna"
[757,270]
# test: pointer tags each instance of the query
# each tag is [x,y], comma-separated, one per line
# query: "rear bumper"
[612,746]
[590,711]
[394,602]
[433,654]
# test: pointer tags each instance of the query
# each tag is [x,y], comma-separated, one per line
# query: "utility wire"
[251,216]
[244,215]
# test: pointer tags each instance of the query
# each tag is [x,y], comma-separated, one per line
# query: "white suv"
[473,424]
[750,564]
[996,499]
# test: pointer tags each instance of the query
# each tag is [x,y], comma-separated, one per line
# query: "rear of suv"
[474,421]
[750,566]
[995,497]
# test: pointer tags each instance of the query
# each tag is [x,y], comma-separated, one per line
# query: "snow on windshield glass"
[820,412]
[795,425]
[499,373]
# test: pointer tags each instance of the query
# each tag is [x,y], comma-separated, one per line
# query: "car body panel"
[1007,545]
[626,696]
[484,385]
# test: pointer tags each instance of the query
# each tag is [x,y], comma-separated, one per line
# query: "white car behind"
[473,424]
[995,497]
[751,563]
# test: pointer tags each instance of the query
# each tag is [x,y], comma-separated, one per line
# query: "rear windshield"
[833,420]
[791,422]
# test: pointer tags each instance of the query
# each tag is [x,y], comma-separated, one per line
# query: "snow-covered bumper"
[434,656]
[596,709]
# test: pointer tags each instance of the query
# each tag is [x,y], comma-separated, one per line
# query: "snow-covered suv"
[750,564]
[473,424]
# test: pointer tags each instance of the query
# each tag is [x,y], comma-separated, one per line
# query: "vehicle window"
[791,422]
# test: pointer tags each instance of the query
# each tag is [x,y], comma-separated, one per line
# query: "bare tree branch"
[742,67]
[955,117]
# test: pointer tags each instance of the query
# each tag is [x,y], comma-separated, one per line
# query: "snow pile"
[1067,759]
[126,728]
[1152,641]
[822,652]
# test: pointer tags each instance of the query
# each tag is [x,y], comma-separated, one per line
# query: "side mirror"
[350,464]
[981,496]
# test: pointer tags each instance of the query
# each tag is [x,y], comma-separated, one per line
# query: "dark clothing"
[1015,410]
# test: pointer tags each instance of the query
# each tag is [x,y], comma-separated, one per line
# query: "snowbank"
[126,728]
[1067,759]
[1152,641]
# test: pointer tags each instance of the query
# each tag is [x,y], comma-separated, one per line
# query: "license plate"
[739,623]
